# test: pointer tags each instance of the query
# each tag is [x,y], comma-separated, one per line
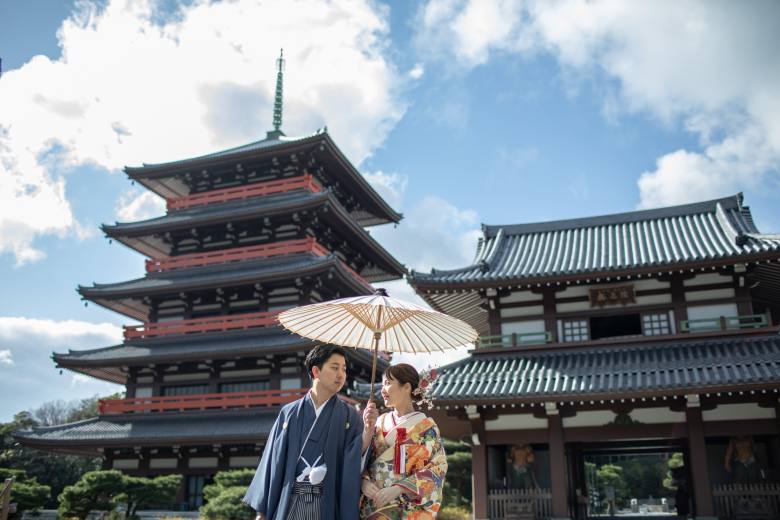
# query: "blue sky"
[459,112]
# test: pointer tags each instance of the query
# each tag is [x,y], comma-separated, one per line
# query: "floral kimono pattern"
[407,452]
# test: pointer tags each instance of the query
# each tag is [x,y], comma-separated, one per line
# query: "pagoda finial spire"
[278,97]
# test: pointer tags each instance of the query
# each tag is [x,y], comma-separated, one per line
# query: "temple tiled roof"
[676,367]
[143,235]
[124,297]
[106,363]
[375,211]
[245,426]
[679,236]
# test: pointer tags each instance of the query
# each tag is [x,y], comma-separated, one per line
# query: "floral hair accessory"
[424,388]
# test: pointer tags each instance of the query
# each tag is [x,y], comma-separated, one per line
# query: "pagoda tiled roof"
[107,363]
[213,276]
[244,426]
[675,367]
[705,233]
[234,211]
[376,212]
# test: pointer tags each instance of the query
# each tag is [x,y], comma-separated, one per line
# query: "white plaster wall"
[163,463]
[244,462]
[701,312]
[525,421]
[203,462]
[522,327]
[589,418]
[707,278]
[520,296]
[533,310]
[662,415]
[244,373]
[186,377]
[713,294]
[738,412]
[125,464]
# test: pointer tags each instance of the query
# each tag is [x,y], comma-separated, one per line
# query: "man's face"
[333,373]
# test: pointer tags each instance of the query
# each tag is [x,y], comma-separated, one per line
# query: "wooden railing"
[748,321]
[507,502]
[743,501]
[212,324]
[514,340]
[204,401]
[199,401]
[287,247]
[302,182]
[5,499]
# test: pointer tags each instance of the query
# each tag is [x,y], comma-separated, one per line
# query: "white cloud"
[417,71]
[6,358]
[136,205]
[28,343]
[710,67]
[135,86]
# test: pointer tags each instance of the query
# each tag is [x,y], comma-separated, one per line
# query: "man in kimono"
[312,461]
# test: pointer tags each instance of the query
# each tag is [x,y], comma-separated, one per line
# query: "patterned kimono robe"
[407,452]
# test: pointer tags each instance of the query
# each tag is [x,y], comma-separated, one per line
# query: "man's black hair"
[319,355]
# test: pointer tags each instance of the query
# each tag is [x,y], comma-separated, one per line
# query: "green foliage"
[457,483]
[55,471]
[224,496]
[95,491]
[228,505]
[26,493]
[455,513]
[139,492]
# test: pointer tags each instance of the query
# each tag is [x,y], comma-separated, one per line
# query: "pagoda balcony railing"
[199,325]
[748,321]
[220,401]
[514,340]
[287,247]
[301,182]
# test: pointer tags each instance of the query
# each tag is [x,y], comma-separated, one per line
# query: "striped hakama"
[305,502]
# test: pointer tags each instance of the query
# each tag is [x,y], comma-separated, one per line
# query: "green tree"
[26,493]
[611,475]
[139,493]
[224,496]
[457,483]
[55,471]
[95,491]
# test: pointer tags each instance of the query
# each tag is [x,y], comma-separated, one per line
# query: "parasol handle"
[377,335]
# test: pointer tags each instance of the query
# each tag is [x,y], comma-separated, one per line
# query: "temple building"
[628,364]
[248,232]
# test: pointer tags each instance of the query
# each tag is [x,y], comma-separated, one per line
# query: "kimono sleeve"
[349,487]
[267,476]
[426,466]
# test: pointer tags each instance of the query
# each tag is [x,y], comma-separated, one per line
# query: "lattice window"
[575,330]
[656,324]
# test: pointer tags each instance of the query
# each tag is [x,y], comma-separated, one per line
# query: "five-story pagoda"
[249,232]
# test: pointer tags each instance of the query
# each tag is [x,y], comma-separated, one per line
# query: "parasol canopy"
[378,322]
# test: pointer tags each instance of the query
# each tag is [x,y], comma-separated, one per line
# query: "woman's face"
[395,393]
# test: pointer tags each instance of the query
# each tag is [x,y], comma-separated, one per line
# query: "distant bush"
[455,513]
[26,493]
[224,496]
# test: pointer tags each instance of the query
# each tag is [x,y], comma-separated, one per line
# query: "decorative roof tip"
[277,120]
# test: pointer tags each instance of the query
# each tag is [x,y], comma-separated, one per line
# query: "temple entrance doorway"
[631,479]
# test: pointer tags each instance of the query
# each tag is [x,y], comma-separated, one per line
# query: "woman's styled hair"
[403,373]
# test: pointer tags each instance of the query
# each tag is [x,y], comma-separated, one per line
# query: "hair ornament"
[425,387]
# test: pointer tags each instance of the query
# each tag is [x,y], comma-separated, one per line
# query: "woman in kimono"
[405,477]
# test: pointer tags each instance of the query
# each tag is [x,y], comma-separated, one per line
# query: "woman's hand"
[260,516]
[369,488]
[386,495]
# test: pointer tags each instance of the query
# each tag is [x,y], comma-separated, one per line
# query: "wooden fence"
[753,501]
[5,499]
[516,503]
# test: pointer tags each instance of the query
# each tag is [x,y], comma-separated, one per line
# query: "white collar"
[317,409]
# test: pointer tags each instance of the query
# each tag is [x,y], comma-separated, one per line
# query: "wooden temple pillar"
[697,451]
[560,509]
[479,470]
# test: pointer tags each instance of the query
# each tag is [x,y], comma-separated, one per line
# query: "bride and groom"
[323,461]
